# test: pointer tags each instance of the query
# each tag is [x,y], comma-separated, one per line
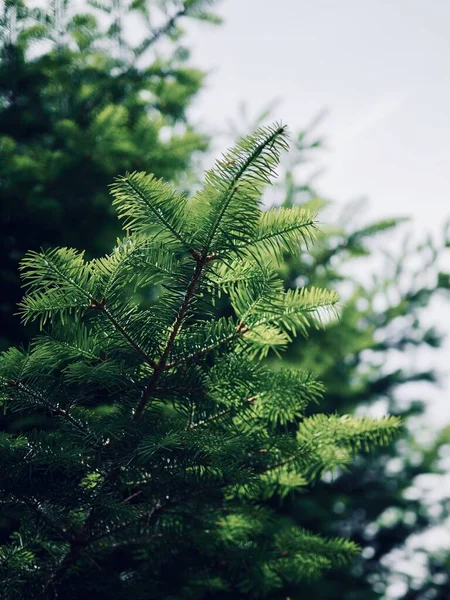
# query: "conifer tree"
[163,440]
[80,102]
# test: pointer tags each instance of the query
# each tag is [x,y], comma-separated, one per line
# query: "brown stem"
[55,409]
[101,306]
[279,464]
[162,364]
[240,330]
[131,496]
[166,27]
[250,401]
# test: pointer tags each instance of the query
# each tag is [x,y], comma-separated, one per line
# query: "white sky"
[381,67]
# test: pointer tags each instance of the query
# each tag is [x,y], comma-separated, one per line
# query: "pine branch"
[267,140]
[75,549]
[280,231]
[44,402]
[79,544]
[143,200]
[228,411]
[279,464]
[45,273]
[188,9]
[241,329]
[226,430]
[158,33]
[149,517]
[102,307]
[321,437]
[47,520]
[161,366]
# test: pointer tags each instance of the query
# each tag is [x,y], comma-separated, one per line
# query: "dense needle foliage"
[163,442]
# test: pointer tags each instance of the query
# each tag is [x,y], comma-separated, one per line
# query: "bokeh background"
[89,90]
[371,81]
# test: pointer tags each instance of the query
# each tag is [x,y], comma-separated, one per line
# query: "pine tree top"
[163,446]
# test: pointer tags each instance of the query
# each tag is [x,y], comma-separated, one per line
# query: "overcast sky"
[381,67]
[382,70]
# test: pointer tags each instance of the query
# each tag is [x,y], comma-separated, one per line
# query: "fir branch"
[228,411]
[282,230]
[227,422]
[61,412]
[84,539]
[75,550]
[50,523]
[63,272]
[149,516]
[101,305]
[161,31]
[142,200]
[240,331]
[264,139]
[161,366]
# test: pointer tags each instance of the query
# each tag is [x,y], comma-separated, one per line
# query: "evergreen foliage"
[163,443]
[80,102]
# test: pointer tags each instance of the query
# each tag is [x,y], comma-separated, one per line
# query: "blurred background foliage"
[374,359]
[79,105]
[366,361]
[371,361]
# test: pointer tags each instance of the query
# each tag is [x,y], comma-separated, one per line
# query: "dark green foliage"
[78,104]
[164,447]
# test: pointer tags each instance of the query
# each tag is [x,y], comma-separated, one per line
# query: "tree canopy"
[165,445]
[78,104]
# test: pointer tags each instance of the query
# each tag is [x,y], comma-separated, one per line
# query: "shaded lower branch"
[100,305]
